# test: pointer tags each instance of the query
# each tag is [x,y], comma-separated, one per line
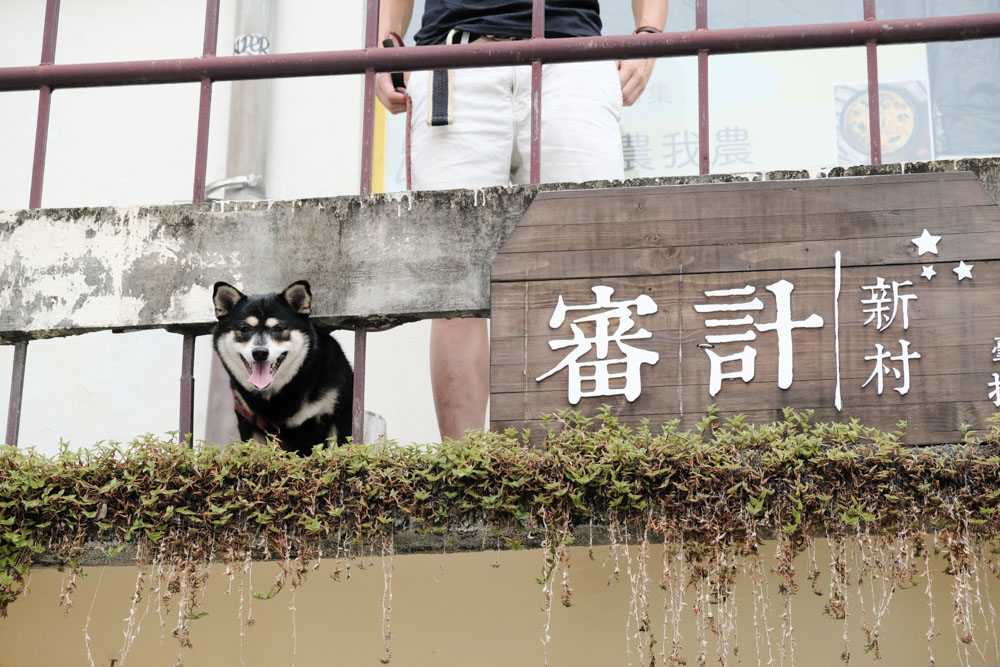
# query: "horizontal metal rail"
[326,63]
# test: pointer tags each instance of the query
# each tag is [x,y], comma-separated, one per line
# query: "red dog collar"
[270,428]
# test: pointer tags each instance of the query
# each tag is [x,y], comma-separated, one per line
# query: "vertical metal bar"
[360,357]
[201,153]
[187,390]
[41,146]
[368,116]
[874,118]
[205,102]
[186,416]
[49,32]
[537,32]
[16,393]
[368,133]
[367,158]
[701,23]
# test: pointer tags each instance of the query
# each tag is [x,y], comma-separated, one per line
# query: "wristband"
[393,35]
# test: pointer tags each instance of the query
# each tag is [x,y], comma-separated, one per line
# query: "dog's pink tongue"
[261,375]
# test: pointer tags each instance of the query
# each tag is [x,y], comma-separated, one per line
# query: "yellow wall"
[446,610]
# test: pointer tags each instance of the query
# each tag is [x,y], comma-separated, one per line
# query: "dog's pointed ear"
[225,297]
[299,297]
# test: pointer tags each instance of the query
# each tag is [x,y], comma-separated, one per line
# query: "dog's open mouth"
[262,373]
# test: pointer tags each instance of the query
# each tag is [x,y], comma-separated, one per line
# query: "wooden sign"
[876,298]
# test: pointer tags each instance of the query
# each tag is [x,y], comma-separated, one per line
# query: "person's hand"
[392,99]
[634,74]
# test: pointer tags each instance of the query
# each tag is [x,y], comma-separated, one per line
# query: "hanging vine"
[714,496]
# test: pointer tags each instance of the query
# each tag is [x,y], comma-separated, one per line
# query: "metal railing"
[210,68]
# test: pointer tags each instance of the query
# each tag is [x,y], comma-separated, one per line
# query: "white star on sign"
[928,272]
[926,242]
[963,270]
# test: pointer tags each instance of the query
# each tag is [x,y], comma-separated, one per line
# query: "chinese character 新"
[879,300]
[605,313]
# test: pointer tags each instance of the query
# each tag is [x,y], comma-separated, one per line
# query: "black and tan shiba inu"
[291,381]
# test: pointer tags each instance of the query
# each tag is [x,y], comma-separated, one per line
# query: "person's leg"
[473,152]
[581,138]
[460,374]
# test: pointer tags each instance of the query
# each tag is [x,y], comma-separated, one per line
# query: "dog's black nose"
[259,354]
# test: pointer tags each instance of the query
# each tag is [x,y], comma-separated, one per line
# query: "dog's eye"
[277,328]
[245,328]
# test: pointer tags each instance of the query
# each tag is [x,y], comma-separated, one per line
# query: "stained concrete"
[379,259]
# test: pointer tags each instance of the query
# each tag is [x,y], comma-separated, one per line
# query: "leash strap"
[409,154]
[439,110]
[394,39]
[439,107]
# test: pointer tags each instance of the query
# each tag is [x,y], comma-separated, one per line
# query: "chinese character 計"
[607,311]
[881,368]
[783,325]
[995,386]
[746,357]
[879,311]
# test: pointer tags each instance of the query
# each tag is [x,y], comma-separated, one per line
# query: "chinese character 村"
[607,311]
[881,368]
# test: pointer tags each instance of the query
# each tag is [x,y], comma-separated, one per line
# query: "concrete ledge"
[379,260]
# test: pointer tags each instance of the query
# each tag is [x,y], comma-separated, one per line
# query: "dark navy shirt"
[507,18]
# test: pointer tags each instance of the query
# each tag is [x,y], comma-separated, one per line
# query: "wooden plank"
[941,298]
[778,227]
[739,396]
[972,360]
[935,329]
[694,202]
[554,233]
[739,256]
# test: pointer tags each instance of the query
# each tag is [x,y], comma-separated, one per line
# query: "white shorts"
[489,142]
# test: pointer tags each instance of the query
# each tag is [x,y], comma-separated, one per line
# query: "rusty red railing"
[210,67]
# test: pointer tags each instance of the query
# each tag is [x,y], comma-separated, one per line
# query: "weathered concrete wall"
[381,259]
[408,257]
